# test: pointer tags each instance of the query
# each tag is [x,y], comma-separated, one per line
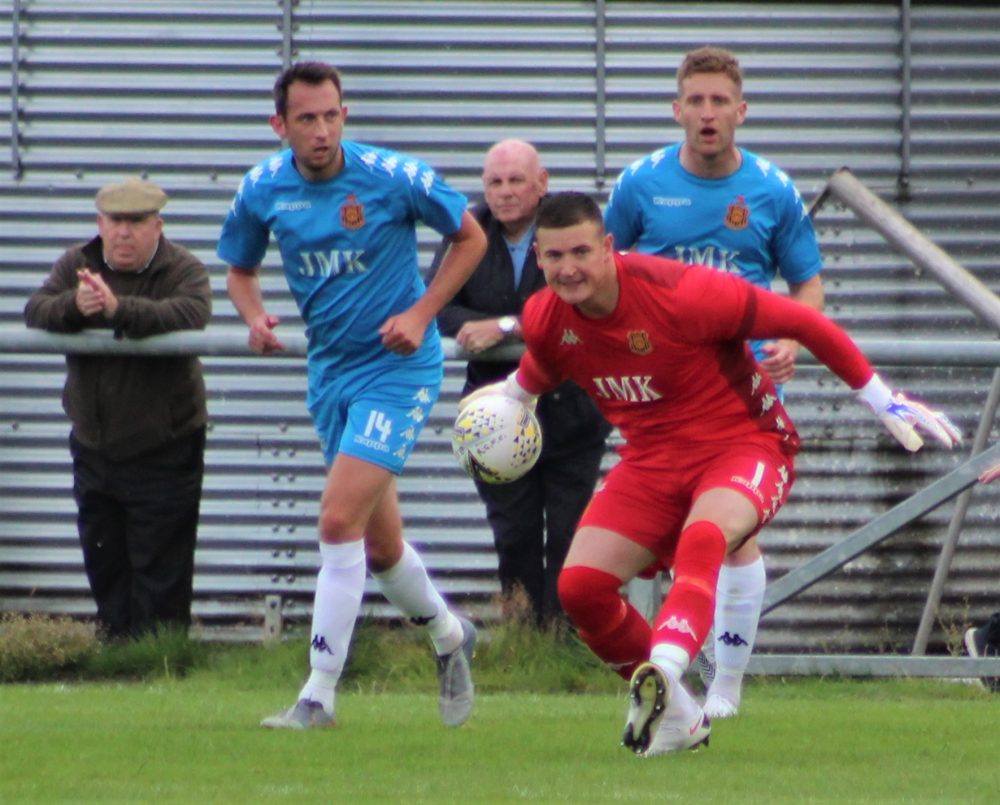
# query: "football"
[496,438]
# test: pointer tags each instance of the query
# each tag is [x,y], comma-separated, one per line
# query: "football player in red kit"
[708,456]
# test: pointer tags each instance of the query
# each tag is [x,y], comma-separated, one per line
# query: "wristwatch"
[507,324]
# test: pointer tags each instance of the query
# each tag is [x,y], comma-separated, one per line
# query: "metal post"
[600,77]
[955,526]
[17,168]
[905,100]
[882,527]
[272,617]
[286,33]
[910,241]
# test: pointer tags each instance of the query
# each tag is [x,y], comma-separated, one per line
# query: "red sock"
[689,609]
[612,628]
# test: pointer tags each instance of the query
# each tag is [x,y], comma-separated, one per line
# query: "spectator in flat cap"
[138,422]
[134,197]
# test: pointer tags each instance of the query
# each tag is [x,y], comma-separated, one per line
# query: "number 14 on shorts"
[380,423]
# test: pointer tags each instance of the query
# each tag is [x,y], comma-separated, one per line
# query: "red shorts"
[648,501]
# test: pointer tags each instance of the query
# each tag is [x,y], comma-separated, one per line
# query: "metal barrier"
[845,188]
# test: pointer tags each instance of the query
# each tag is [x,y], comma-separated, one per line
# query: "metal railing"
[231,342]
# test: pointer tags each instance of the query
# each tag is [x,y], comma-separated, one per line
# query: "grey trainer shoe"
[455,676]
[305,715]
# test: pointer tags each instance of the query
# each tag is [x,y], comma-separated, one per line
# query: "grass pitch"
[194,738]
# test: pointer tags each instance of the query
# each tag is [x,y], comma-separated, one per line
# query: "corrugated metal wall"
[181,92]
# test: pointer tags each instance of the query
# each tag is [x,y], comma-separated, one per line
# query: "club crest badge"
[639,343]
[352,214]
[738,214]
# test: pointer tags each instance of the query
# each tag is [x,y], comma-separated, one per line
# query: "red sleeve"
[532,377]
[775,316]
[532,373]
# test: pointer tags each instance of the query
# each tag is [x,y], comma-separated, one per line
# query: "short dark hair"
[569,208]
[308,72]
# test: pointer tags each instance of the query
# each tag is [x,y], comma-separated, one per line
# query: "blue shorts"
[375,417]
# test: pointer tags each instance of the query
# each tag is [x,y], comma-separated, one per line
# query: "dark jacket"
[567,415]
[123,406]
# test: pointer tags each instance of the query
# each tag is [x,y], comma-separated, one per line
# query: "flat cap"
[134,196]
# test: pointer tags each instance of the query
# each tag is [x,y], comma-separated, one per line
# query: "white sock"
[409,589]
[340,586]
[673,661]
[738,603]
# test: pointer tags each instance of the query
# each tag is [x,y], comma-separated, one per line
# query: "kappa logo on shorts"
[352,213]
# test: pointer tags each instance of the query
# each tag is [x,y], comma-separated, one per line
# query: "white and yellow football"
[496,438]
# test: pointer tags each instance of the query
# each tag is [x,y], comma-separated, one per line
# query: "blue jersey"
[349,249]
[752,223]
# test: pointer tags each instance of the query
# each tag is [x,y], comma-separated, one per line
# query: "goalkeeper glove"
[508,388]
[902,416]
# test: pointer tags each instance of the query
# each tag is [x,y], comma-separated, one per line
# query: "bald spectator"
[533,519]
[138,422]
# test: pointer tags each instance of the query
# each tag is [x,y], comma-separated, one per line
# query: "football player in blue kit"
[705,200]
[344,216]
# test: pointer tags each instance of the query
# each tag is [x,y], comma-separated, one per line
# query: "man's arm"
[243,286]
[781,355]
[404,332]
[55,306]
[187,304]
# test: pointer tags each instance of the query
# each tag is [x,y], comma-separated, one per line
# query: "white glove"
[902,416]
[508,387]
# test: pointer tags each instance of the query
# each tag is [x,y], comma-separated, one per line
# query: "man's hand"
[903,416]
[262,339]
[404,332]
[780,360]
[93,295]
[477,336]
[508,387]
[990,475]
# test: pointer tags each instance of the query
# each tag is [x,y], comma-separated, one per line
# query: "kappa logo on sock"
[319,643]
[421,621]
[733,639]
[681,626]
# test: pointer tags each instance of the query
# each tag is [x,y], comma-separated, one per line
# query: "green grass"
[193,737]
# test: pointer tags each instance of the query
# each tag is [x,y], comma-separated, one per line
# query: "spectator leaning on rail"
[138,421]
[534,518]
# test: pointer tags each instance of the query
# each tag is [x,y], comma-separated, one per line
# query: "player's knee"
[589,596]
[335,526]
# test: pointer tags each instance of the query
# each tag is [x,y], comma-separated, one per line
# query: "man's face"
[709,108]
[579,267]
[129,240]
[514,183]
[313,124]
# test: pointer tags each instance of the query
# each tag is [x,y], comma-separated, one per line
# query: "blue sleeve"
[434,202]
[621,220]
[795,243]
[243,242]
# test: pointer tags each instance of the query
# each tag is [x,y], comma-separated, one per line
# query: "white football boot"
[656,725]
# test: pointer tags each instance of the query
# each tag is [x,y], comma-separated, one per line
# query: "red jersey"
[670,365]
